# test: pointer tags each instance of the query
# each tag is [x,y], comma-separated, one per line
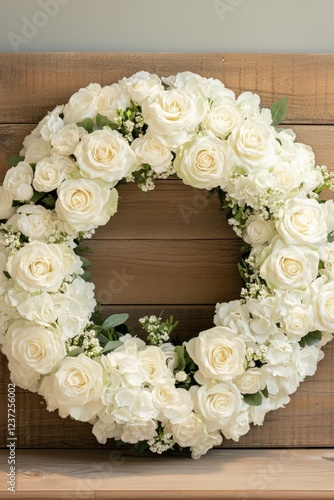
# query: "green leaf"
[141,446]
[115,320]
[111,346]
[253,399]
[13,160]
[103,121]
[49,201]
[265,392]
[86,276]
[85,262]
[87,124]
[330,237]
[310,339]
[279,110]
[37,196]
[180,351]
[7,275]
[76,352]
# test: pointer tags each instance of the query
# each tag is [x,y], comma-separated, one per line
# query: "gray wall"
[167,25]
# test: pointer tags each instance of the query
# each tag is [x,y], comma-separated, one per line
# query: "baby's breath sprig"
[85,342]
[158,330]
[163,441]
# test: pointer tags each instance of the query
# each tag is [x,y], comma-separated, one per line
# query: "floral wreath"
[63,185]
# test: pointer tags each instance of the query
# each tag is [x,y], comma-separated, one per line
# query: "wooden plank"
[308,420]
[233,475]
[165,272]
[33,83]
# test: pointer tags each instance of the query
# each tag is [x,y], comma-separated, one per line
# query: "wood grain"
[178,250]
[32,84]
[308,420]
[232,475]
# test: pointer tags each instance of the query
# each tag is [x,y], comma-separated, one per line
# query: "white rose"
[326,253]
[217,404]
[218,352]
[138,429]
[205,443]
[51,172]
[253,144]
[142,85]
[41,267]
[36,150]
[6,201]
[149,149]
[222,118]
[258,231]
[173,403]
[51,124]
[303,222]
[173,114]
[66,140]
[205,163]
[18,181]
[153,361]
[85,203]
[298,321]
[322,300]
[286,177]
[105,154]
[35,222]
[112,98]
[251,381]
[34,346]
[75,389]
[290,266]
[82,104]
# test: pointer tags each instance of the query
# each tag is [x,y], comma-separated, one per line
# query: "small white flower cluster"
[162,442]
[87,340]
[157,330]
[64,186]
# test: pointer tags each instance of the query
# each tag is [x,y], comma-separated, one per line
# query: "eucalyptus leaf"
[253,399]
[85,262]
[6,274]
[312,338]
[279,110]
[76,352]
[180,351]
[115,320]
[111,346]
[13,160]
[87,124]
[265,392]
[86,276]
[103,121]
[36,197]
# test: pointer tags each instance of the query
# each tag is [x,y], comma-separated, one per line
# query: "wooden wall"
[171,250]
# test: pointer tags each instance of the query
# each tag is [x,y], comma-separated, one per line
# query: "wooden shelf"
[221,474]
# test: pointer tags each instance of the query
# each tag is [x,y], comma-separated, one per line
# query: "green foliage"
[75,352]
[13,160]
[103,121]
[87,124]
[115,320]
[253,399]
[111,346]
[279,110]
[312,338]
